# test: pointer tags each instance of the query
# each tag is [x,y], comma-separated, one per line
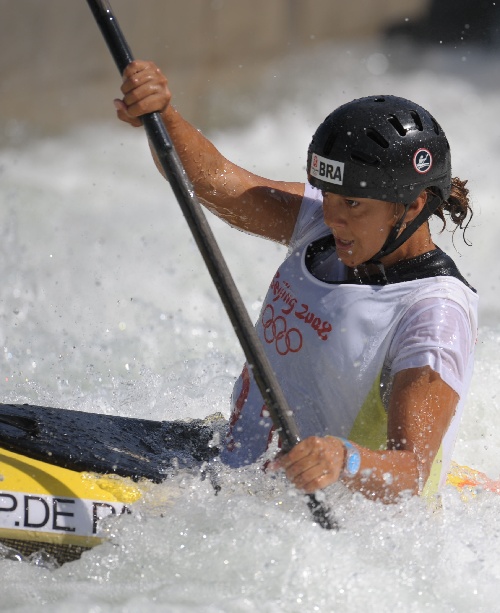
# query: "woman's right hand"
[145,90]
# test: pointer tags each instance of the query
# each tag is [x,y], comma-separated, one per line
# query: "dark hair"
[457,207]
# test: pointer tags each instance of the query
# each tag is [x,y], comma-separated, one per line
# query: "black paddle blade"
[322,514]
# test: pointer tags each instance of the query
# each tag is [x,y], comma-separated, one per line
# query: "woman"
[369,326]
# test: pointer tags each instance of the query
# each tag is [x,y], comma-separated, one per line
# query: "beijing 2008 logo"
[422,161]
[285,339]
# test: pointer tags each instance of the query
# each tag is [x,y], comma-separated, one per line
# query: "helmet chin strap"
[394,241]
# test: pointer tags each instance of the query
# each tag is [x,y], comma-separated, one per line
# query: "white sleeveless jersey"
[336,346]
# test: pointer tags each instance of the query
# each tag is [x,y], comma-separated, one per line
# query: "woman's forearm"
[385,475]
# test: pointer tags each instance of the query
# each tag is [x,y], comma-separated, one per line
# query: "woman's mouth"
[343,245]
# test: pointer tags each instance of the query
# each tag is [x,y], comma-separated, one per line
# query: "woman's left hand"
[313,464]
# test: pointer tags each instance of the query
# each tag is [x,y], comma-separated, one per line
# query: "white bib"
[329,345]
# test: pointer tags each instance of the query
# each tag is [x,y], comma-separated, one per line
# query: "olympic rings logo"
[275,331]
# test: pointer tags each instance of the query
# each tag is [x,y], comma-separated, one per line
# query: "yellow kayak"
[46,507]
[63,471]
[468,481]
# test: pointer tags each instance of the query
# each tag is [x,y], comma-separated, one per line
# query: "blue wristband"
[352,458]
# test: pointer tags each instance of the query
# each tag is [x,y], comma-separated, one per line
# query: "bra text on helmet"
[329,171]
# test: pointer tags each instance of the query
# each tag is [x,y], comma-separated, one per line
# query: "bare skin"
[421,404]
[246,201]
[361,225]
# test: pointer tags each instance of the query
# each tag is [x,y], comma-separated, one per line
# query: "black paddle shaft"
[159,138]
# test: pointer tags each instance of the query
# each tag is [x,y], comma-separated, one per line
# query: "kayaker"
[369,326]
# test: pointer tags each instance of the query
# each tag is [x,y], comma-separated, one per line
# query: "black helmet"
[380,147]
[385,148]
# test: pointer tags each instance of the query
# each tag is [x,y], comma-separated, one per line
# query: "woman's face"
[360,225]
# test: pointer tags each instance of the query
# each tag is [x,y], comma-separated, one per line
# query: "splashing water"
[107,307]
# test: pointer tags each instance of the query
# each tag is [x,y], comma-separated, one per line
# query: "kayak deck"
[126,446]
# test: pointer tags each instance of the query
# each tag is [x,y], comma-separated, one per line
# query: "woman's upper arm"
[241,198]
[254,204]
[421,408]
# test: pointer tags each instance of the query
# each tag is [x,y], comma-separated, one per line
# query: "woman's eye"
[352,203]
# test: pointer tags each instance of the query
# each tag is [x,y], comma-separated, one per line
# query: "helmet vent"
[417,120]
[364,158]
[377,138]
[330,141]
[397,125]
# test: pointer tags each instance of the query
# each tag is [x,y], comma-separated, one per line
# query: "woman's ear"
[416,206]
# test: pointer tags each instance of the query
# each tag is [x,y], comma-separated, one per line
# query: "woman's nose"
[333,212]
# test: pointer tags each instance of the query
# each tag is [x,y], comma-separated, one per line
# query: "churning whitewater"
[106,306]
